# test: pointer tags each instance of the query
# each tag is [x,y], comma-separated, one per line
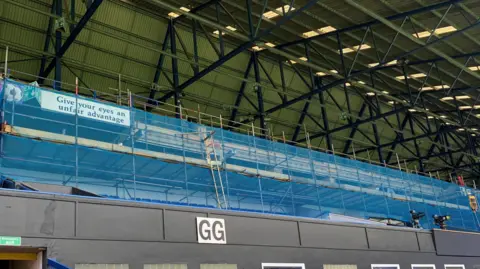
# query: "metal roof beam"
[234,52]
[370,23]
[73,35]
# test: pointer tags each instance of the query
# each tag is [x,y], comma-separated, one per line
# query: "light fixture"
[430,117]
[370,93]
[356,48]
[303,58]
[391,102]
[412,110]
[418,75]
[278,12]
[386,64]
[443,116]
[348,84]
[474,68]
[361,82]
[438,31]
[478,115]
[464,107]
[460,129]
[474,135]
[437,87]
[174,15]
[385,92]
[474,129]
[323,30]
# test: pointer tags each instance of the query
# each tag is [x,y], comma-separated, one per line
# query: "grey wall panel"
[333,236]
[22,216]
[260,231]
[392,239]
[181,226]
[457,243]
[425,241]
[136,254]
[119,222]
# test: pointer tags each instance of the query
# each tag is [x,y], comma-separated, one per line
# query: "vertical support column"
[318,84]
[220,33]
[58,46]
[46,46]
[417,148]
[258,89]
[195,45]
[72,14]
[344,70]
[377,137]
[173,48]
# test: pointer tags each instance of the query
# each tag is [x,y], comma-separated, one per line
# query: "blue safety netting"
[127,153]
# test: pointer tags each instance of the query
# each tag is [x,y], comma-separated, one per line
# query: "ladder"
[215,166]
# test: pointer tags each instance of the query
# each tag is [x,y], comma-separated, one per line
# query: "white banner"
[86,109]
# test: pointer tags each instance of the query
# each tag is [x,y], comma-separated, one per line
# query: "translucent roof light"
[356,48]
[174,15]
[431,88]
[459,97]
[418,75]
[323,30]
[278,12]
[386,64]
[216,32]
[258,48]
[438,31]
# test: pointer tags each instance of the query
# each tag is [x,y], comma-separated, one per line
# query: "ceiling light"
[386,64]
[447,123]
[391,102]
[474,129]
[474,68]
[321,74]
[384,92]
[438,87]
[460,129]
[174,15]
[278,12]
[443,116]
[370,93]
[464,107]
[449,98]
[438,31]
[323,30]
[303,58]
[418,75]
[430,117]
[412,110]
[478,115]
[334,71]
[361,82]
[356,48]
[348,84]
[474,135]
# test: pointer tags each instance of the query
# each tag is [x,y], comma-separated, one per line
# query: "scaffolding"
[130,153]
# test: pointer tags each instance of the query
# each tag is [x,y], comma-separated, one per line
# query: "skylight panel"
[386,64]
[438,31]
[279,12]
[431,88]
[356,48]
[175,15]
[323,30]
[417,75]
[216,32]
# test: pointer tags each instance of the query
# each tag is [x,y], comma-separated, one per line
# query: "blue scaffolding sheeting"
[123,152]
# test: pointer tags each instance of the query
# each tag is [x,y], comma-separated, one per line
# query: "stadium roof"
[391,76]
